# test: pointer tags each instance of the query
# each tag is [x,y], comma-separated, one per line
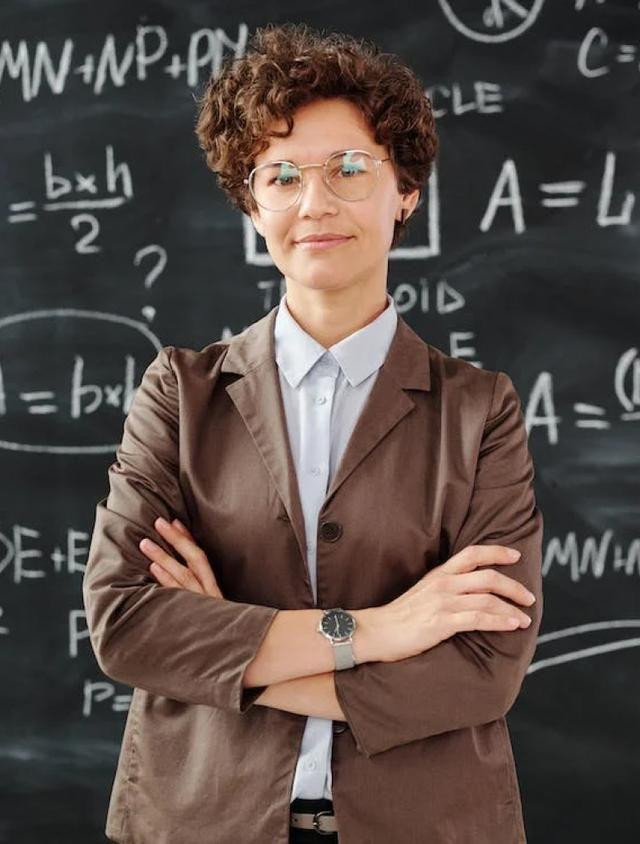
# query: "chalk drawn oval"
[67,379]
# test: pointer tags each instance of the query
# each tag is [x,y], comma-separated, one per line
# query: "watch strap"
[343,655]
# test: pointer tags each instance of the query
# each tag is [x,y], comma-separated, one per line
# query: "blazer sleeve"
[473,677]
[172,642]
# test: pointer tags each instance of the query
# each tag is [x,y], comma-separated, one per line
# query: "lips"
[324,237]
[325,243]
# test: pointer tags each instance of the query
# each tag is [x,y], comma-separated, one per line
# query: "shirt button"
[316,470]
[312,765]
[321,399]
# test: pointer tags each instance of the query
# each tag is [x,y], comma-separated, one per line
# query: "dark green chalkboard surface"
[523,257]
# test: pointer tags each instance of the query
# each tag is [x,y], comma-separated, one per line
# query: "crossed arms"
[186,646]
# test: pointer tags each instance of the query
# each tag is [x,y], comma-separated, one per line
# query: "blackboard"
[523,257]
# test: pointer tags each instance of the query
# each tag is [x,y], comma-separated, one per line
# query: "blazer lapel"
[257,396]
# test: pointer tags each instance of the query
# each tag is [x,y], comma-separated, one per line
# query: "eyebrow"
[340,149]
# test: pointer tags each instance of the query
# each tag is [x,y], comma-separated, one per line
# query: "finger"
[195,557]
[480,555]
[182,528]
[492,605]
[214,589]
[179,573]
[163,577]
[493,581]
[478,620]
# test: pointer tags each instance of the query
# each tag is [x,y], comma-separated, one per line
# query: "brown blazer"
[438,460]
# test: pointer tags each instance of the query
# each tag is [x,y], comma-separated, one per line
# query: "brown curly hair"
[288,65]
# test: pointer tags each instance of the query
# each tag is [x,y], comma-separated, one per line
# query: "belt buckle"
[316,825]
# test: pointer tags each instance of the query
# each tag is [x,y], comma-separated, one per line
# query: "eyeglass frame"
[377,161]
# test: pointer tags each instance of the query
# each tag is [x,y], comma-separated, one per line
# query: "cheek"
[378,215]
[378,229]
[279,236]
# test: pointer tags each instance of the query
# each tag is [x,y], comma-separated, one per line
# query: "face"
[321,128]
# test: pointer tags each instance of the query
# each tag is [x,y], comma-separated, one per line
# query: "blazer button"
[330,531]
[339,727]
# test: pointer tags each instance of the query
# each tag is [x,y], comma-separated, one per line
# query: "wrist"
[364,637]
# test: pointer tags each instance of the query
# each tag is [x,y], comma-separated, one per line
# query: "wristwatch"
[338,626]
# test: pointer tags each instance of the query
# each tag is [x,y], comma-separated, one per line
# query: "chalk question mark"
[149,311]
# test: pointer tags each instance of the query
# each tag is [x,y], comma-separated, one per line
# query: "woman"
[324,458]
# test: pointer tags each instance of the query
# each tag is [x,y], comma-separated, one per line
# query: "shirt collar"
[359,355]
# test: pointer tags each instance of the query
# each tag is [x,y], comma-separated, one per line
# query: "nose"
[316,196]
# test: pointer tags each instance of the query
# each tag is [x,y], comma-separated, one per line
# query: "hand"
[197,576]
[450,598]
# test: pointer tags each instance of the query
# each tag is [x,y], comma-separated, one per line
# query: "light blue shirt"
[323,391]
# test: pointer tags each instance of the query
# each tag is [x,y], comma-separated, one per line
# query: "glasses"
[350,174]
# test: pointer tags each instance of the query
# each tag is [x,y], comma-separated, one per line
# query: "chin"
[328,285]
[318,284]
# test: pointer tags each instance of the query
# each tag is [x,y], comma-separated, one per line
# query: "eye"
[285,174]
[349,164]
[353,167]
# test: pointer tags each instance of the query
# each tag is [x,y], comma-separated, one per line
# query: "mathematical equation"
[78,397]
[35,69]
[82,398]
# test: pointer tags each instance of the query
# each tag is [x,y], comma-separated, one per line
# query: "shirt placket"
[318,394]
[315,447]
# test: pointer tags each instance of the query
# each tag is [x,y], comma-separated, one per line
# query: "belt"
[323,822]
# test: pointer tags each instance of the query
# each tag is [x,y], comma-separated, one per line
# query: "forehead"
[301,158]
[319,129]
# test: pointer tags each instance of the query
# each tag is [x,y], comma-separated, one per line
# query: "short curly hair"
[288,65]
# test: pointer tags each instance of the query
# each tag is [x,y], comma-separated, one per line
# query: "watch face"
[338,624]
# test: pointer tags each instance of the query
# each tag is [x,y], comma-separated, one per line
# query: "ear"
[255,219]
[410,200]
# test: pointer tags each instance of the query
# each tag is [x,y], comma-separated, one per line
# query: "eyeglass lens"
[350,174]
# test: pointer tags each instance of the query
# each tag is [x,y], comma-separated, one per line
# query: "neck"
[331,315]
